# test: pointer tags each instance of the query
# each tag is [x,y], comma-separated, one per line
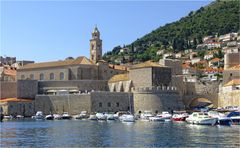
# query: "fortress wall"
[27,89]
[73,104]
[124,100]
[156,101]
[201,90]
[8,89]
[229,98]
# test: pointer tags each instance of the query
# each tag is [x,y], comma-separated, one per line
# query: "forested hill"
[219,17]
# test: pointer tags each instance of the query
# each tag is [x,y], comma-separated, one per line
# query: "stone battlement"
[153,89]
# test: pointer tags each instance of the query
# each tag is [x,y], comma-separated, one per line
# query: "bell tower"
[95,46]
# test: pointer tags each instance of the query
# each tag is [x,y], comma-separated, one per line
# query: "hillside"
[218,18]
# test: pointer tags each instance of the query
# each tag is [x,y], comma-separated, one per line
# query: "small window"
[61,76]
[100,104]
[22,77]
[31,76]
[41,76]
[51,76]
[230,74]
[109,104]
[117,104]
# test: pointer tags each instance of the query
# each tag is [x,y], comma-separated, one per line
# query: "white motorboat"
[65,115]
[222,118]
[93,117]
[165,115]
[19,117]
[156,118]
[39,115]
[201,119]
[49,117]
[146,115]
[82,115]
[57,116]
[110,116]
[101,116]
[127,118]
[10,117]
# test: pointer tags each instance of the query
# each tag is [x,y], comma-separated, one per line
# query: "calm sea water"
[84,133]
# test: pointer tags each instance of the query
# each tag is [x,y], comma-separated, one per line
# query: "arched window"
[41,76]
[51,76]
[61,76]
[31,76]
[22,77]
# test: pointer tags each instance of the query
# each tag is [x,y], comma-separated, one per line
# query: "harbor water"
[85,133]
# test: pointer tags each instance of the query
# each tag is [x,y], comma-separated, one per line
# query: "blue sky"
[53,30]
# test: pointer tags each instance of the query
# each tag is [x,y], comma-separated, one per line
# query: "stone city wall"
[27,89]
[156,99]
[229,98]
[74,104]
[111,101]
[57,104]
[8,89]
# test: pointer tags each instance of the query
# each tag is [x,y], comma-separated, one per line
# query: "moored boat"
[165,115]
[127,118]
[93,117]
[156,118]
[57,116]
[222,118]
[65,115]
[82,115]
[146,115]
[201,118]
[39,115]
[179,117]
[101,116]
[235,117]
[49,117]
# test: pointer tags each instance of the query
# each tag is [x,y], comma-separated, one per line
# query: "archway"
[200,102]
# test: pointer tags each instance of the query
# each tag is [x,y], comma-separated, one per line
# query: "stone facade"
[27,89]
[157,100]
[91,102]
[18,108]
[8,89]
[80,85]
[229,98]
[230,74]
[231,59]
[150,76]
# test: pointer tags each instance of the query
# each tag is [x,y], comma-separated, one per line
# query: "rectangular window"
[109,104]
[117,104]
[100,104]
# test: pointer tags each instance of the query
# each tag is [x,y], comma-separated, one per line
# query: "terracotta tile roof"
[15,100]
[119,77]
[79,60]
[210,70]
[185,65]
[147,64]
[236,67]
[215,60]
[233,82]
[10,72]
